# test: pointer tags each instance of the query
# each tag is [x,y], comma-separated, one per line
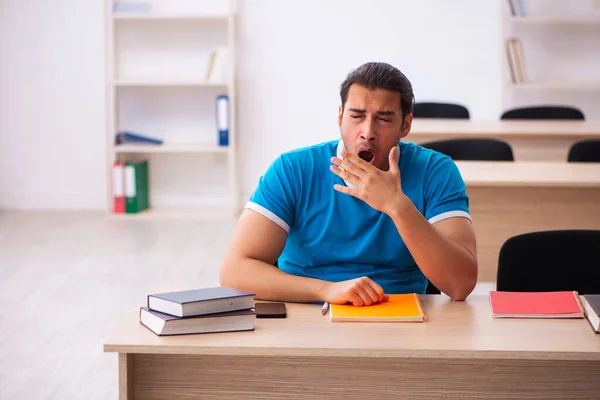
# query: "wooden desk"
[530,140]
[460,352]
[510,198]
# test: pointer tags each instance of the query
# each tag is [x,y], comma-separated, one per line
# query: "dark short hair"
[379,75]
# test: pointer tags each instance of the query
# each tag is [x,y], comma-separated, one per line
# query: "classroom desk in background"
[510,198]
[530,140]
[459,352]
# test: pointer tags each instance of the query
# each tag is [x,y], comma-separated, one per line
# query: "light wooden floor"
[65,277]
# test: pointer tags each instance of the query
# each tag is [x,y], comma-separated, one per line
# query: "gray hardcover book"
[188,303]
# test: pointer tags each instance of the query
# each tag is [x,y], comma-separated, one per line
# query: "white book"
[218,71]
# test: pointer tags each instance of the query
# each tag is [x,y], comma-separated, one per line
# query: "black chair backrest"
[550,261]
[473,149]
[585,151]
[440,110]
[432,289]
[544,112]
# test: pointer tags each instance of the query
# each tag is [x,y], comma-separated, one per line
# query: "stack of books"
[209,310]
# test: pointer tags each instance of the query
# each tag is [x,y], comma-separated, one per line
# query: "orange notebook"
[535,305]
[400,307]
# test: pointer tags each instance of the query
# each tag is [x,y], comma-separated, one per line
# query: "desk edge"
[333,352]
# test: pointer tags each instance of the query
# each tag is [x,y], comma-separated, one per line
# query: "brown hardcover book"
[164,325]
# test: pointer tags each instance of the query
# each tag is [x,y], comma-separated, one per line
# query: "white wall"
[292,57]
[52,104]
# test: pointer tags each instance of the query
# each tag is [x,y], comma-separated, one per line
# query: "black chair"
[543,112]
[440,110]
[431,289]
[473,149]
[585,151]
[561,260]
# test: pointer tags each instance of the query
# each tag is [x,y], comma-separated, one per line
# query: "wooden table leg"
[125,376]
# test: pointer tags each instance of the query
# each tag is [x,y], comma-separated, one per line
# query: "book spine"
[136,187]
[578,300]
[118,187]
[129,137]
[520,61]
[223,119]
[511,62]
[211,66]
[511,6]
[521,4]
[418,301]
[131,200]
[218,64]
[142,186]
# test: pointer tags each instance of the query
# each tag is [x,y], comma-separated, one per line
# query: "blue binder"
[223,119]
[129,137]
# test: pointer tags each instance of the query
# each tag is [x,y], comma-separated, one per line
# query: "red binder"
[118,182]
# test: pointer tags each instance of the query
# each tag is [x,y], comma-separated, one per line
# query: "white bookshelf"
[560,51]
[156,74]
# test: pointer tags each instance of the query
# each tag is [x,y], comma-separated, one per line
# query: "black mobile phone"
[270,310]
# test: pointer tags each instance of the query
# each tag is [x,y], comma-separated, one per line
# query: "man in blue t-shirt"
[356,219]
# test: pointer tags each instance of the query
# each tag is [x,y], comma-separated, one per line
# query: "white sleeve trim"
[269,214]
[450,214]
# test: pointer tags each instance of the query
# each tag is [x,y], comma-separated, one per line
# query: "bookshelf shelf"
[557,85]
[170,148]
[556,18]
[171,80]
[194,213]
[132,16]
[168,82]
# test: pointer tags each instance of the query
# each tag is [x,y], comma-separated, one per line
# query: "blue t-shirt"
[334,236]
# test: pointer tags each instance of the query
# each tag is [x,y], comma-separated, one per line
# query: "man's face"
[371,124]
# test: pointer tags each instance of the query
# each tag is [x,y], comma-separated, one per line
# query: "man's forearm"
[447,264]
[269,282]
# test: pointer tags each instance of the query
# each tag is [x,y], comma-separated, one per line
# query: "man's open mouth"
[366,155]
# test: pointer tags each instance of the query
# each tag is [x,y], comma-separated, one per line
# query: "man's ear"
[340,113]
[407,125]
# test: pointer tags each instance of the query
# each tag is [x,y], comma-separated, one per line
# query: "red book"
[535,305]
[118,182]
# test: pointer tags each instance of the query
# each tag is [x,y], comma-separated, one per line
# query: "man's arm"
[249,265]
[445,251]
